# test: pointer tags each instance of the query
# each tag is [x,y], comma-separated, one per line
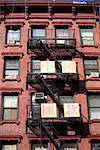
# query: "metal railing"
[50,38]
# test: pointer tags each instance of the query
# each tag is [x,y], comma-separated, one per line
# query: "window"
[66,99]
[38,33]
[96,145]
[68,145]
[91,68]
[11,68]
[10,107]
[40,145]
[13,35]
[37,98]
[36,66]
[94,106]
[6,145]
[87,36]
[61,35]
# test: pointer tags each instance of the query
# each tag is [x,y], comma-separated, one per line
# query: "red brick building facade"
[49,75]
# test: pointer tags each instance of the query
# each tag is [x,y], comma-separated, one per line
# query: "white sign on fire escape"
[68,66]
[47,66]
[48,110]
[71,110]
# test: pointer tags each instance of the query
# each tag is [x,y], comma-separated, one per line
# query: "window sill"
[13,45]
[83,45]
[92,79]
[11,79]
[94,121]
[9,122]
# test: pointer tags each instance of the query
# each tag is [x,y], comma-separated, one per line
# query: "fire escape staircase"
[50,87]
[51,137]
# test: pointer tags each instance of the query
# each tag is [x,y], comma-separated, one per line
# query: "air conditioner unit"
[39,97]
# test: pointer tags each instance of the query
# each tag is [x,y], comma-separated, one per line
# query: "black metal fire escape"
[50,87]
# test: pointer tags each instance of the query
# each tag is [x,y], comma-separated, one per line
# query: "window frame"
[81,37]
[17,108]
[91,69]
[33,70]
[18,70]
[39,27]
[89,107]
[65,37]
[11,27]
[72,100]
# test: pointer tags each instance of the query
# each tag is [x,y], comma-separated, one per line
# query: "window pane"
[11,74]
[87,36]
[91,68]
[36,111]
[13,36]
[94,101]
[91,62]
[61,33]
[12,64]
[10,114]
[36,66]
[87,41]
[94,113]
[38,33]
[66,99]
[68,146]
[10,101]
[9,147]
[87,32]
